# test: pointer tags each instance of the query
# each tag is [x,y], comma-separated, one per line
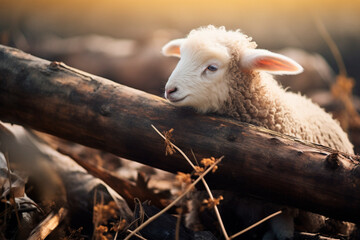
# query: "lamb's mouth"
[177,100]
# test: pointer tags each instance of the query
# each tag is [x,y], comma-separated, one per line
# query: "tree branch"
[99,113]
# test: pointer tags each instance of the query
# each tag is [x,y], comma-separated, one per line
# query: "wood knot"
[356,171]
[54,65]
[105,110]
[275,141]
[332,161]
[270,165]
[231,137]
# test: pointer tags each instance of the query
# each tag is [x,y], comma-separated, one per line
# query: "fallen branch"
[122,186]
[73,186]
[312,236]
[96,112]
[48,224]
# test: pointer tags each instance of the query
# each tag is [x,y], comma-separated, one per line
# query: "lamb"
[223,72]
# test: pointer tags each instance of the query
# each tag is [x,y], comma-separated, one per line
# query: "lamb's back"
[313,124]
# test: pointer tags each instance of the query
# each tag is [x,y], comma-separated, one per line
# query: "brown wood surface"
[97,112]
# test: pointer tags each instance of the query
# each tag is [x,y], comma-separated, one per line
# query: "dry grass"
[343,86]
[188,189]
[211,202]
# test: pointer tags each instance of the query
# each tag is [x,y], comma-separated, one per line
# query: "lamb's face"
[198,80]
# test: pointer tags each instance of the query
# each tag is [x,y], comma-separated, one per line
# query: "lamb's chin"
[189,104]
[177,100]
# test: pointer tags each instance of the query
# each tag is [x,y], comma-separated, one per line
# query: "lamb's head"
[200,79]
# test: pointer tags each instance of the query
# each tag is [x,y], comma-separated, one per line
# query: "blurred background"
[121,40]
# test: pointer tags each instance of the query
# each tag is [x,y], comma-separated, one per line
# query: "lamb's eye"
[212,68]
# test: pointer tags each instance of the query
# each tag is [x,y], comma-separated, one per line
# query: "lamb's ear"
[259,59]
[172,48]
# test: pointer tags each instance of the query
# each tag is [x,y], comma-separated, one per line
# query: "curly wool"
[227,38]
[250,96]
[256,98]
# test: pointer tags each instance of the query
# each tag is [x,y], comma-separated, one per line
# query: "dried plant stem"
[36,206]
[116,234]
[216,210]
[136,235]
[177,229]
[255,224]
[99,214]
[342,88]
[332,45]
[212,197]
[48,225]
[177,148]
[222,226]
[12,197]
[188,189]
[95,221]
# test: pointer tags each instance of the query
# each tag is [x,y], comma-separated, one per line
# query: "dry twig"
[342,88]
[135,234]
[203,180]
[48,224]
[255,224]
[212,201]
[178,222]
[188,189]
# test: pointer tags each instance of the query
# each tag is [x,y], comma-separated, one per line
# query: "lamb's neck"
[255,99]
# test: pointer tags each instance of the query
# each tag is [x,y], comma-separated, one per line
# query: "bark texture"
[60,100]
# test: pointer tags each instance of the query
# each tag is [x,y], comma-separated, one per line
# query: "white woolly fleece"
[242,88]
[222,71]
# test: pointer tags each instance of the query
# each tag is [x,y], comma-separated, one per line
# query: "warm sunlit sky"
[130,18]
[272,23]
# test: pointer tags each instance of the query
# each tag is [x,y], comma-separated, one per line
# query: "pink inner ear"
[175,50]
[275,64]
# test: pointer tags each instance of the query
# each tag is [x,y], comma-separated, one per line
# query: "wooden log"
[60,181]
[60,100]
[125,188]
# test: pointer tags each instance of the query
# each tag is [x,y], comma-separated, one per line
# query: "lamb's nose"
[170,91]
